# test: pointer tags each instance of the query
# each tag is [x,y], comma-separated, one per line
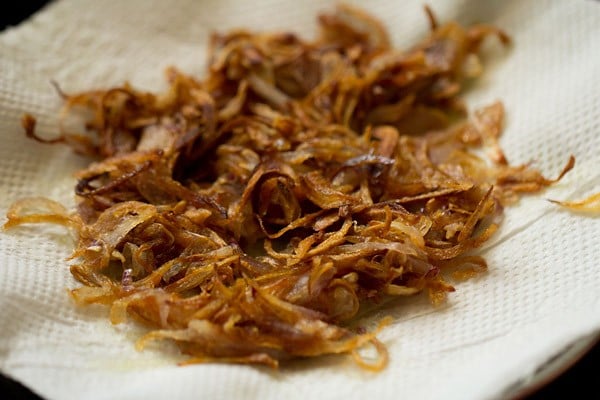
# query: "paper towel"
[496,331]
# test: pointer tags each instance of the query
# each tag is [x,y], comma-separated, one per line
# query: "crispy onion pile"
[250,215]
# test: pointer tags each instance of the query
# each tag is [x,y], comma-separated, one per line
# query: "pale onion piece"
[268,91]
[118,310]
[397,290]
[255,358]
[234,106]
[364,23]
[156,137]
[93,294]
[116,222]
[344,303]
[400,227]
[38,210]
[452,228]
[590,204]
[379,363]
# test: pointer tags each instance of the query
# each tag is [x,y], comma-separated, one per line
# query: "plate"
[553,371]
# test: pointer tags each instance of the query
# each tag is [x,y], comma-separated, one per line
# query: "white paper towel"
[540,295]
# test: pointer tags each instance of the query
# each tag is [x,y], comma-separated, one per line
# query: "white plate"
[553,368]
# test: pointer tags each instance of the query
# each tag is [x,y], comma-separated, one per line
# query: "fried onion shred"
[248,216]
[590,204]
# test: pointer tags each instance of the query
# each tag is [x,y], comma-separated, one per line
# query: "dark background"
[580,380]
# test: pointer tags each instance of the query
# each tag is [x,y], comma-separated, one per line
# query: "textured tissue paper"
[496,332]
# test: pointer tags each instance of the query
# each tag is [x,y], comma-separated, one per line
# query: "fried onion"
[248,216]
